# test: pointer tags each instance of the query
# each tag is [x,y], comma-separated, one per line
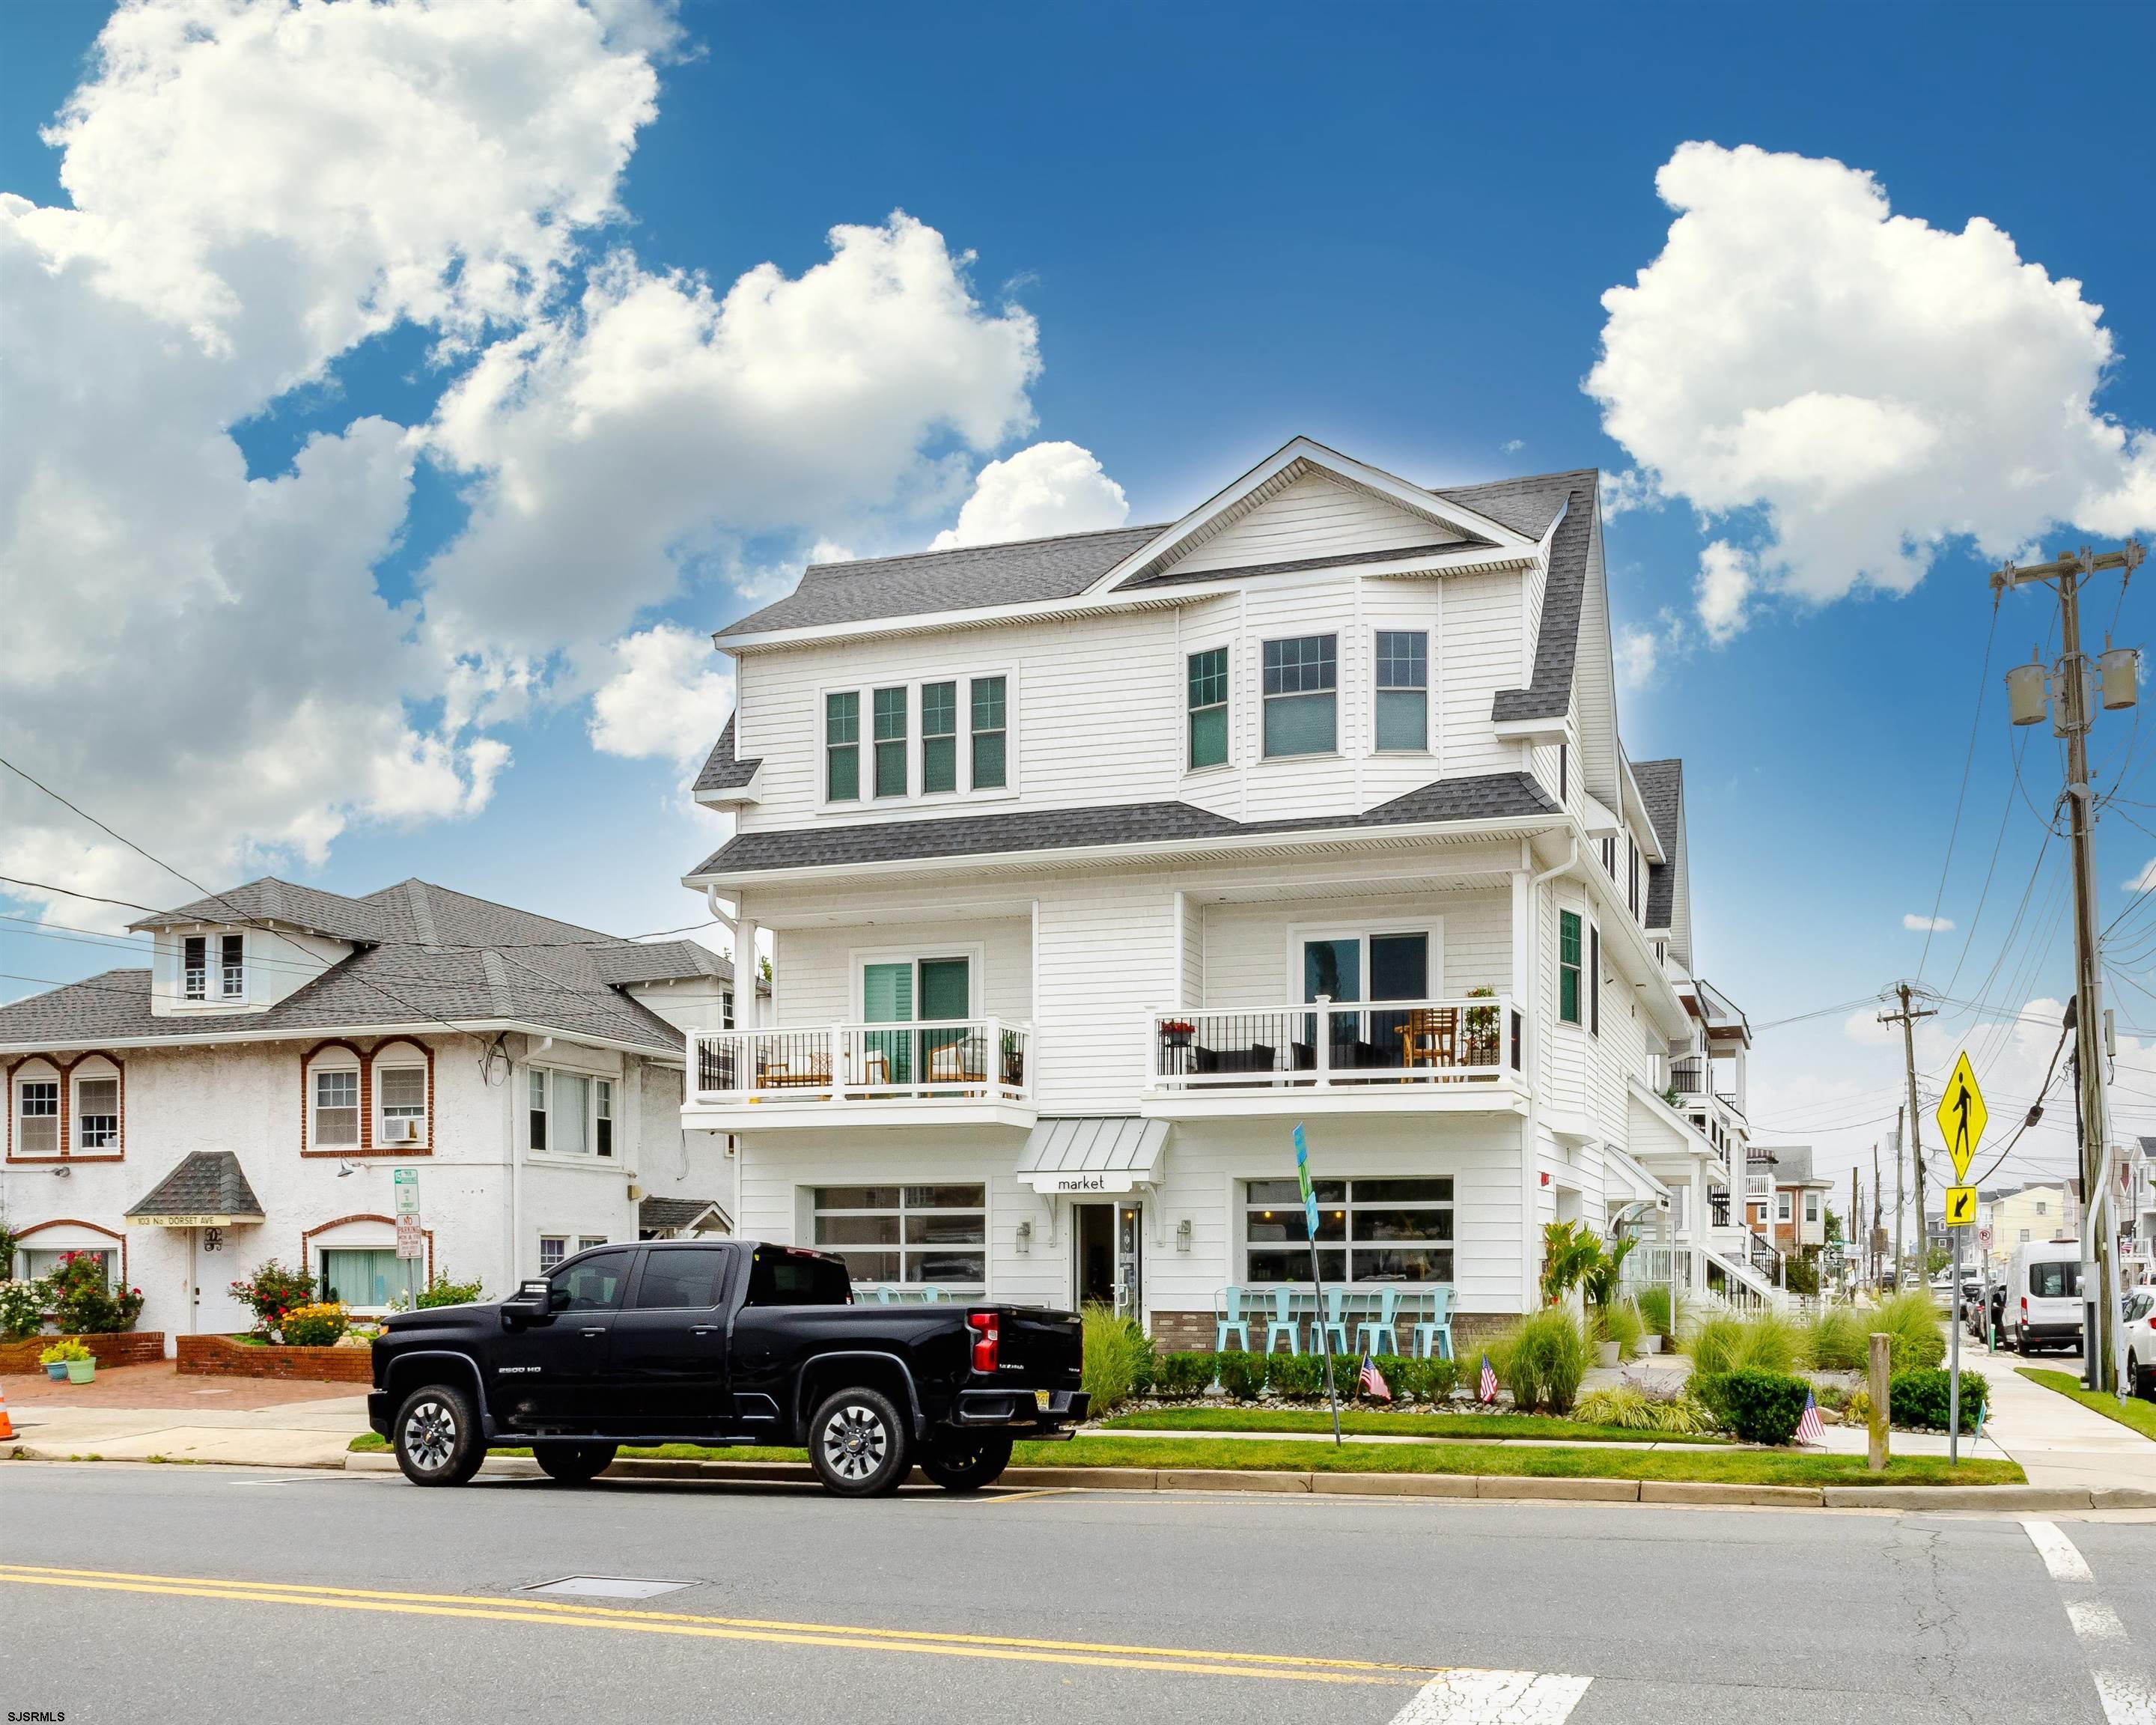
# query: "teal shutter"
[887,999]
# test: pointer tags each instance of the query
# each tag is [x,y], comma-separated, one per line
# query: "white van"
[2043,1295]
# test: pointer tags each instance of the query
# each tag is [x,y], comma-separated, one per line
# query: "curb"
[1505,1488]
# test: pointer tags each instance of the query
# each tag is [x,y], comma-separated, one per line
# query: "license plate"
[1041,1400]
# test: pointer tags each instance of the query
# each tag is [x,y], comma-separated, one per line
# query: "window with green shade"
[1567,967]
[1302,696]
[372,1278]
[842,747]
[991,734]
[1402,695]
[890,742]
[1209,707]
[939,737]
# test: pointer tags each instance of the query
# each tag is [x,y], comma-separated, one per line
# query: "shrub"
[313,1325]
[1415,1380]
[1112,1345]
[1620,1322]
[1800,1272]
[272,1290]
[1180,1377]
[1918,1400]
[1242,1375]
[1857,1409]
[62,1351]
[1295,1377]
[1654,1303]
[83,1305]
[1759,1407]
[442,1291]
[1838,1341]
[1544,1360]
[22,1308]
[1765,1342]
[1636,1410]
[1912,1323]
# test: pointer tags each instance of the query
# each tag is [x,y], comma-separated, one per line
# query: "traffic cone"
[6,1426]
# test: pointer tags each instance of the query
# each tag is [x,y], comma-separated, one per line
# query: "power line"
[1968,760]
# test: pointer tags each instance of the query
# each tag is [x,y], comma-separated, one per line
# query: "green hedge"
[1178,1376]
[1759,1407]
[1918,1401]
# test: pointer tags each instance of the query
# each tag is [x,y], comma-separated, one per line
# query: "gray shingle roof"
[1492,796]
[424,954]
[1527,505]
[722,771]
[1661,788]
[1564,594]
[1175,575]
[927,581]
[207,1183]
[677,1212]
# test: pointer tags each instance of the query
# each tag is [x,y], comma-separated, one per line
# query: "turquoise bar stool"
[1229,1320]
[1433,1338]
[1367,1331]
[931,1295]
[1284,1323]
[1334,1328]
[884,1295]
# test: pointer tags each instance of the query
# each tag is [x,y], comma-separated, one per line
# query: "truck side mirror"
[530,1300]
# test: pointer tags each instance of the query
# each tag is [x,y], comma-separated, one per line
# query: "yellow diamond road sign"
[1961,1206]
[1961,1115]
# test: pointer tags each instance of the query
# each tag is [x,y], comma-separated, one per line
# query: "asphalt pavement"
[208,1594]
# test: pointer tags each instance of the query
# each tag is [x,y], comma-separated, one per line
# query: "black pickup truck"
[723,1342]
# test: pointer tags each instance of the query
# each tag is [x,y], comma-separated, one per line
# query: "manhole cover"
[607,1587]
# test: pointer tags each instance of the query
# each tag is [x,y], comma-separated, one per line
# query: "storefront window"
[907,1233]
[1368,1230]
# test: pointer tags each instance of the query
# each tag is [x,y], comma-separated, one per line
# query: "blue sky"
[1391,229]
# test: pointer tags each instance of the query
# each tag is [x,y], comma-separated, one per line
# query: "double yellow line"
[555,1614]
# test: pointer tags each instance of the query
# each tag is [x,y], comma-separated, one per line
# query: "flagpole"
[1317,1277]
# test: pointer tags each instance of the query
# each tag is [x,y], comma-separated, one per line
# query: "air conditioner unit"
[400,1131]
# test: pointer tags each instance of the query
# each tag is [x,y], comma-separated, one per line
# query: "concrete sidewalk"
[273,1424]
[2058,1441]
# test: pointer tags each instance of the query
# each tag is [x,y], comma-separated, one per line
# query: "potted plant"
[1599,1278]
[1177,1033]
[76,1362]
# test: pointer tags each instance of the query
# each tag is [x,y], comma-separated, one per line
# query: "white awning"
[1098,1153]
[1623,1181]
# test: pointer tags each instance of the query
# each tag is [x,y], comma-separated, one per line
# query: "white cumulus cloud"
[1927,925]
[1047,489]
[668,696]
[1870,385]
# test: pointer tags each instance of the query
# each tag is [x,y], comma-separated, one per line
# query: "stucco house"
[258,1090]
[1094,866]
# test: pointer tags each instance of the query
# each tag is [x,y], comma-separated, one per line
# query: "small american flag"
[1373,1380]
[1809,1431]
[1489,1391]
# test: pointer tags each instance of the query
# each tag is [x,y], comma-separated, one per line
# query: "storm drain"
[607,1587]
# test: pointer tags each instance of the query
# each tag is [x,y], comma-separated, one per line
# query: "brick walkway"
[160,1385]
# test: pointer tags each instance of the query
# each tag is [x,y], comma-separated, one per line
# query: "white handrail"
[934,1058]
[1324,1043]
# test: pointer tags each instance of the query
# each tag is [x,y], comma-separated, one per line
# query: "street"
[216,1594]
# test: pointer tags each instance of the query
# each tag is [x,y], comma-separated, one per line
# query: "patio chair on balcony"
[964,1061]
[1431,1037]
[1258,1057]
[797,1071]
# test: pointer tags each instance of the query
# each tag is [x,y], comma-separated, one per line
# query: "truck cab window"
[780,1277]
[593,1284]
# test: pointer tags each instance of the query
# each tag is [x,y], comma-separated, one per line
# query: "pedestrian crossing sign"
[1961,1206]
[1961,1115]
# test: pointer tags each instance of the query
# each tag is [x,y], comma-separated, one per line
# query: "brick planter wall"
[130,1348]
[221,1357]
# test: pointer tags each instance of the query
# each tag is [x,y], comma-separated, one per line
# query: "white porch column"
[748,1002]
[1523,992]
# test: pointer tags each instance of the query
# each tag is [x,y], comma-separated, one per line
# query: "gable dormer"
[212,969]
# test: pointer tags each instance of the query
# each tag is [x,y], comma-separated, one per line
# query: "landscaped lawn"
[1365,1424]
[2138,1415]
[1726,1466]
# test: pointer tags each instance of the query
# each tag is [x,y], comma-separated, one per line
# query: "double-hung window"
[552,1248]
[939,738]
[401,1091]
[337,1108]
[842,747]
[891,774]
[194,968]
[97,1114]
[1811,1206]
[1567,967]
[38,1116]
[570,1114]
[1781,1206]
[232,966]
[1209,707]
[602,1115]
[991,734]
[1302,696]
[1403,690]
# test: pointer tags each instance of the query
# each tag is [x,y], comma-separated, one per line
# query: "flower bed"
[226,1356]
[132,1347]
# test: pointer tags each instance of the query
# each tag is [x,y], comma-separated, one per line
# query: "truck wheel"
[857,1444]
[966,1464]
[437,1437]
[573,1464]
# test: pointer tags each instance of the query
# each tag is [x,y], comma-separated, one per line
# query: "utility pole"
[1878,1207]
[1856,1215]
[2071,684]
[1913,1137]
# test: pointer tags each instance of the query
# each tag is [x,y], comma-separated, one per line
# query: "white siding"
[817,966]
[1314,517]
[1480,652]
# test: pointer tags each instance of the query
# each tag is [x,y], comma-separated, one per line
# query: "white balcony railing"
[945,1060]
[1328,1043]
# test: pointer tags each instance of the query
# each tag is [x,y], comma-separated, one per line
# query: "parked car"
[723,1342]
[2043,1295]
[2137,1343]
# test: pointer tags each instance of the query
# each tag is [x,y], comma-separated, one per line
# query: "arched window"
[402,1102]
[94,1117]
[33,1105]
[333,1099]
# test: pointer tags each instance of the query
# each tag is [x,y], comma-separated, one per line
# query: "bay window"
[1402,696]
[1302,696]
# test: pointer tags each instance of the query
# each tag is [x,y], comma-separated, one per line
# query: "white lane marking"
[1476,1697]
[2126,1700]
[2061,1555]
[2094,1621]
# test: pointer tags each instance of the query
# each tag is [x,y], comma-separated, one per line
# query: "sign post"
[411,1241]
[1961,1116]
[1316,1275]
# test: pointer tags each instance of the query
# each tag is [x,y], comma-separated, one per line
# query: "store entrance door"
[1110,1267]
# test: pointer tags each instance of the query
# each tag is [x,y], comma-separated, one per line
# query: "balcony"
[1461,1056]
[944,1072]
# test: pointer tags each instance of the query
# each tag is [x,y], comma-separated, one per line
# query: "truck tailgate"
[1047,1346]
